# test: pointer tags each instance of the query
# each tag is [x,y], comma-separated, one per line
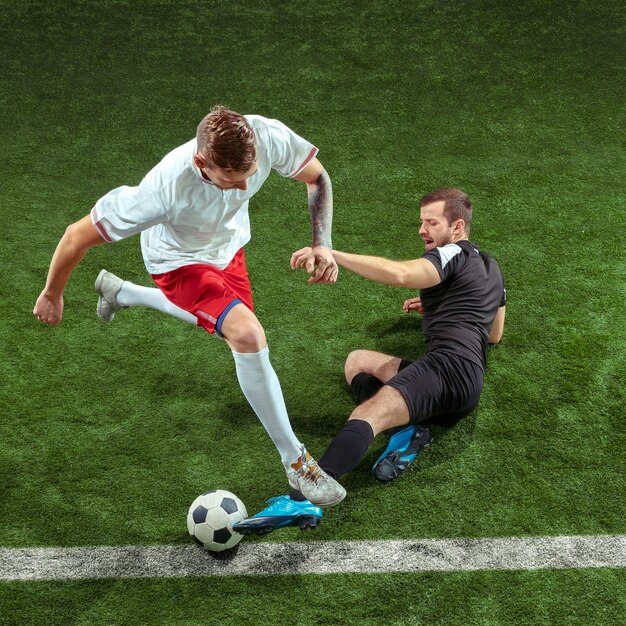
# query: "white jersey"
[185,219]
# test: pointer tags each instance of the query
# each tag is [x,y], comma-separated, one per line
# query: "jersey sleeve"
[126,211]
[289,153]
[443,259]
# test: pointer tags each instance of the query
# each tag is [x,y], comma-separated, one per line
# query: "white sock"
[136,295]
[260,385]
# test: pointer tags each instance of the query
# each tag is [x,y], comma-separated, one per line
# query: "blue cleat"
[281,511]
[401,451]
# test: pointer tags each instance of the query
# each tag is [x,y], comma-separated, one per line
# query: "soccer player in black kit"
[462,299]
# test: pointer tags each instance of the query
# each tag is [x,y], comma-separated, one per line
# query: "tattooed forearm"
[321,208]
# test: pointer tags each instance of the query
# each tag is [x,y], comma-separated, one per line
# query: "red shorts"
[207,291]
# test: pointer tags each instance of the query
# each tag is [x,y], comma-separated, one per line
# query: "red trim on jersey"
[313,152]
[99,227]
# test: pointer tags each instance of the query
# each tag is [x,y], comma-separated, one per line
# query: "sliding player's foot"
[403,448]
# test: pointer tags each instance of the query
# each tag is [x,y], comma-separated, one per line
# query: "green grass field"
[108,432]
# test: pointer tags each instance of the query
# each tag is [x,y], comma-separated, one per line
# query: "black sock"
[347,448]
[365,386]
[344,451]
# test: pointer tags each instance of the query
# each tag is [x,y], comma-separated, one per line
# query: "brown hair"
[457,205]
[226,140]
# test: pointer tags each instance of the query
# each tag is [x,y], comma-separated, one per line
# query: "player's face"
[434,227]
[227,180]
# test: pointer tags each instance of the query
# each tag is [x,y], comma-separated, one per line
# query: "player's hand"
[318,262]
[413,304]
[299,257]
[49,309]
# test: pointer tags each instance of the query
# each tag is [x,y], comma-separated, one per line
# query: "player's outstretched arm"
[413,274]
[78,238]
[320,263]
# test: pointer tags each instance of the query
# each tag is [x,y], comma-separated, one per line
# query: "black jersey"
[459,311]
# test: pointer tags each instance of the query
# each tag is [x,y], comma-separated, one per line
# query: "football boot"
[108,286]
[403,448]
[313,482]
[281,511]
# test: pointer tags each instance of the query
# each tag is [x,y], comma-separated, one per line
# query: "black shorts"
[440,384]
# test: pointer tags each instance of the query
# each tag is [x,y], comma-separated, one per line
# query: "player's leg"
[246,338]
[382,366]
[367,371]
[221,301]
[386,410]
[415,393]
[115,294]
[410,396]
[439,384]
[259,383]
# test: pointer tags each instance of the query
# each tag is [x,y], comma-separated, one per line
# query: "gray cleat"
[108,287]
[313,482]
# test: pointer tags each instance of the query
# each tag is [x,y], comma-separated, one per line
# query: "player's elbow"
[81,235]
[71,231]
[72,237]
[404,277]
[319,180]
[495,338]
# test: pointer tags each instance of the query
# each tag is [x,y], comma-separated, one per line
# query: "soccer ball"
[211,517]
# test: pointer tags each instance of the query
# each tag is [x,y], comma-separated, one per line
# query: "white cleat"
[108,286]
[313,482]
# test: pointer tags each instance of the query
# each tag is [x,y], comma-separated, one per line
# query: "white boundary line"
[319,557]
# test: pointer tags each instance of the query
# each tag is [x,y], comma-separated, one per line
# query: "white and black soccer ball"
[211,517]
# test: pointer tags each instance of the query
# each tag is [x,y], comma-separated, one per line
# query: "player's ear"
[459,227]
[199,160]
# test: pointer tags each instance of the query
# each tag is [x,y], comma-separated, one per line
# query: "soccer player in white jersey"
[192,212]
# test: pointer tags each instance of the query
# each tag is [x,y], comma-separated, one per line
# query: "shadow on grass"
[399,336]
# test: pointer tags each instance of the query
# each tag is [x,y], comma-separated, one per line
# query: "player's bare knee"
[354,364]
[248,336]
